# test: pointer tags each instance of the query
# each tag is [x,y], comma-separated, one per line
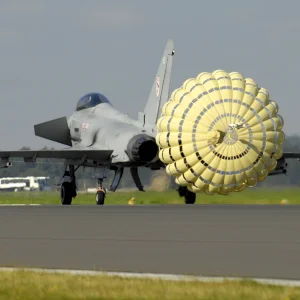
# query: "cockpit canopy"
[91,100]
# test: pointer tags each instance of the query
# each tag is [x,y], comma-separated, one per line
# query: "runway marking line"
[20,204]
[169,277]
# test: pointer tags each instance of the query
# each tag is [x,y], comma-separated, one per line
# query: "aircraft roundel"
[84,125]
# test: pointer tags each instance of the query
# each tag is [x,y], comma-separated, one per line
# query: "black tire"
[66,193]
[190,197]
[182,191]
[100,197]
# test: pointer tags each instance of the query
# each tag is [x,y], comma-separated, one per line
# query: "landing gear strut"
[68,183]
[68,186]
[189,197]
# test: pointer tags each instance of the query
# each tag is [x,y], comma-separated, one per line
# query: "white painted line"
[20,204]
[170,277]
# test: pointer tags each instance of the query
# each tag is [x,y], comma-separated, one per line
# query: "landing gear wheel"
[100,197]
[189,197]
[66,193]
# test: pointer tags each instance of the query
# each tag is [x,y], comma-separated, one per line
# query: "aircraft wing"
[32,155]
[291,155]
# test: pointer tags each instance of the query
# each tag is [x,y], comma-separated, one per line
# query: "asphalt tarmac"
[222,240]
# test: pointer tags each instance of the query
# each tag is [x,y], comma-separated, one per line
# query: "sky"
[53,52]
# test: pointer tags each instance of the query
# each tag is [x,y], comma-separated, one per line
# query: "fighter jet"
[101,137]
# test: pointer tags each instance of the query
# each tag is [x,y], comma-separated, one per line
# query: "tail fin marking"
[160,89]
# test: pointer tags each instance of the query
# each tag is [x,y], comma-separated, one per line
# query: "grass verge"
[250,196]
[25,285]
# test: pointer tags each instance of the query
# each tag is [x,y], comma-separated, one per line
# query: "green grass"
[249,196]
[24,285]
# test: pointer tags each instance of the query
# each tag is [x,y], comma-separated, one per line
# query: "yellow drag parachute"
[219,133]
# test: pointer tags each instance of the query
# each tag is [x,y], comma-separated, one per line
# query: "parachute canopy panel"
[219,133]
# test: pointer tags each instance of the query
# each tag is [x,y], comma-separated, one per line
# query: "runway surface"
[250,241]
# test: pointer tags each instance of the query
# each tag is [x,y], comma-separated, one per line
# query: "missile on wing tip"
[220,133]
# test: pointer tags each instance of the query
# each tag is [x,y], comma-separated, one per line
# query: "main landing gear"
[68,186]
[68,182]
[189,197]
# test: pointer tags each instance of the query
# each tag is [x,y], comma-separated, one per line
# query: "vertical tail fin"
[160,89]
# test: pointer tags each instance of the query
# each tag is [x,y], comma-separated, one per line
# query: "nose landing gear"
[101,193]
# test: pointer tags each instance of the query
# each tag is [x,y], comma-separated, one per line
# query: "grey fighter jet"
[101,137]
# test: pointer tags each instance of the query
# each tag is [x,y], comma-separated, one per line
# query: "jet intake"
[142,149]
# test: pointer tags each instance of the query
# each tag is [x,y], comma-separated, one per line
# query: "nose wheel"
[100,197]
[101,193]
